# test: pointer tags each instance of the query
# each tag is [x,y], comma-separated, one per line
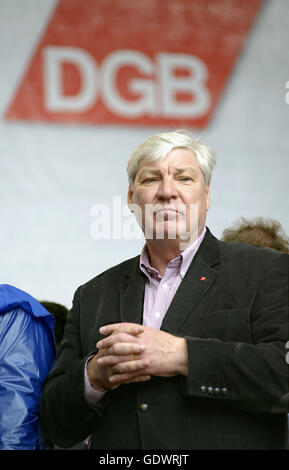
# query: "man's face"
[171,196]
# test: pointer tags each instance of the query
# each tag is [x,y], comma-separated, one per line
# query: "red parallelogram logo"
[152,62]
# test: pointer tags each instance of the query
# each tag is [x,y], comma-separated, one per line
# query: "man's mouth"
[164,209]
[167,213]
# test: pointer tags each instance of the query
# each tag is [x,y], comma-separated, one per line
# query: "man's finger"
[139,378]
[128,378]
[125,348]
[130,366]
[117,338]
[111,360]
[131,328]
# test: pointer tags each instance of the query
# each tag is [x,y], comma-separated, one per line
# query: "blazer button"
[217,391]
[224,391]
[210,390]
[143,407]
[203,389]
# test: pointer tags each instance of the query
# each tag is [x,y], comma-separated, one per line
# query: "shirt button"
[183,273]
[143,407]
[157,314]
[165,286]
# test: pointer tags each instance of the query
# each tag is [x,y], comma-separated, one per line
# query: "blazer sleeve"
[251,376]
[63,392]
[27,355]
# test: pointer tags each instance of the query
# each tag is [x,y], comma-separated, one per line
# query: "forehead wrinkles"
[174,161]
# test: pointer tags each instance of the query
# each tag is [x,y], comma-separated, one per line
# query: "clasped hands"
[133,353]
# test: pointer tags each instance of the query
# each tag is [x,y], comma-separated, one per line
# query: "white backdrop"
[51,175]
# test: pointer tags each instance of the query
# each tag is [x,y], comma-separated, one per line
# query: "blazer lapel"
[131,291]
[197,281]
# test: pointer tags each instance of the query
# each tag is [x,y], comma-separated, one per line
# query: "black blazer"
[232,307]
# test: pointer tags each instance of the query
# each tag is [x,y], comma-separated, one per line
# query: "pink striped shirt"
[160,291]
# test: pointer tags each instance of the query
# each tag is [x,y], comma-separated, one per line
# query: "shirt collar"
[181,262]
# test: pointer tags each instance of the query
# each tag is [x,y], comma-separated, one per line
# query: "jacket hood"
[12,298]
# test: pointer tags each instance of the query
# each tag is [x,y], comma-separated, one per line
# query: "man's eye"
[185,178]
[149,180]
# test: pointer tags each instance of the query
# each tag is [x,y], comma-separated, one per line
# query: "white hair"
[157,147]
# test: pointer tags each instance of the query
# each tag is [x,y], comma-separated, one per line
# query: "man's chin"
[169,232]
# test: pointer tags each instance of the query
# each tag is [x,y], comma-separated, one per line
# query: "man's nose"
[167,189]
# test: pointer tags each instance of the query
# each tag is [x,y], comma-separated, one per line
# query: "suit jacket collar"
[131,291]
[198,279]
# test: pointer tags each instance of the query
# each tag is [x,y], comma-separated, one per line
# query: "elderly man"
[182,347]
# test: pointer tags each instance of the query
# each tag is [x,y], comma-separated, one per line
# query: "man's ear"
[129,195]
[208,197]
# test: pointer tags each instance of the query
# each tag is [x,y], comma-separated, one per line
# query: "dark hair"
[60,314]
[258,231]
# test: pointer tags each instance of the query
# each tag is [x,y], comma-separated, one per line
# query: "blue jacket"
[27,353]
